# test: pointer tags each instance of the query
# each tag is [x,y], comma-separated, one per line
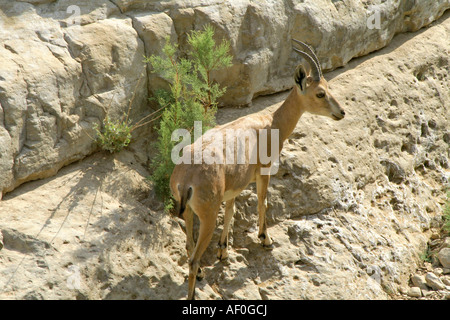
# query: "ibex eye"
[320,95]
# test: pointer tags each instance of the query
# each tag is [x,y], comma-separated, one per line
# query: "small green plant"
[114,135]
[426,255]
[192,97]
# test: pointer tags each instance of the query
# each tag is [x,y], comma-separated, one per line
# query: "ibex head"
[313,87]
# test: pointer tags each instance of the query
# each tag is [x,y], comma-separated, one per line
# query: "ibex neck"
[285,118]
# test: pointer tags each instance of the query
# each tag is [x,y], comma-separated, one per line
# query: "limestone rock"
[260,32]
[56,82]
[444,257]
[153,28]
[434,282]
[446,280]
[90,56]
[415,292]
[419,281]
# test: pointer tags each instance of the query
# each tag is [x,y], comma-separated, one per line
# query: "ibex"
[200,188]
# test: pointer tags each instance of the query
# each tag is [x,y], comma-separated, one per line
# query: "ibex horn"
[311,58]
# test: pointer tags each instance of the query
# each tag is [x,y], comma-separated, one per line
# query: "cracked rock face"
[350,209]
[57,79]
[64,63]
[260,33]
[351,206]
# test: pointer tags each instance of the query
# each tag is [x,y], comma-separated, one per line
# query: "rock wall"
[64,64]
[260,31]
[350,209]
[57,79]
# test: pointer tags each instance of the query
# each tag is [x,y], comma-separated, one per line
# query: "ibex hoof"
[222,252]
[200,274]
[266,241]
[222,256]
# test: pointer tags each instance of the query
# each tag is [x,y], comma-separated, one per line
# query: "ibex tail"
[185,196]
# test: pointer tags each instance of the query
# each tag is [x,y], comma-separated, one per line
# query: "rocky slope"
[66,64]
[352,208]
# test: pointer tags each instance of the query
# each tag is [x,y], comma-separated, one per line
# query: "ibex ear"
[301,78]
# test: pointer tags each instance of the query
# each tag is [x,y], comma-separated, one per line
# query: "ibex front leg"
[262,183]
[222,252]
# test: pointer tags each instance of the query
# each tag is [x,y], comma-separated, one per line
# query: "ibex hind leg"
[188,216]
[207,226]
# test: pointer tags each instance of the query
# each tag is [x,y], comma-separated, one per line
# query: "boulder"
[260,34]
[57,80]
[434,282]
[419,281]
[415,292]
[444,257]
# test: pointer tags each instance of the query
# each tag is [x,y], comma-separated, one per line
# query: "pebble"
[446,280]
[444,257]
[435,235]
[446,243]
[419,281]
[403,290]
[438,271]
[433,281]
[415,292]
[427,293]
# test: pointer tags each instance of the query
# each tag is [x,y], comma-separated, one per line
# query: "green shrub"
[192,97]
[426,256]
[114,135]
